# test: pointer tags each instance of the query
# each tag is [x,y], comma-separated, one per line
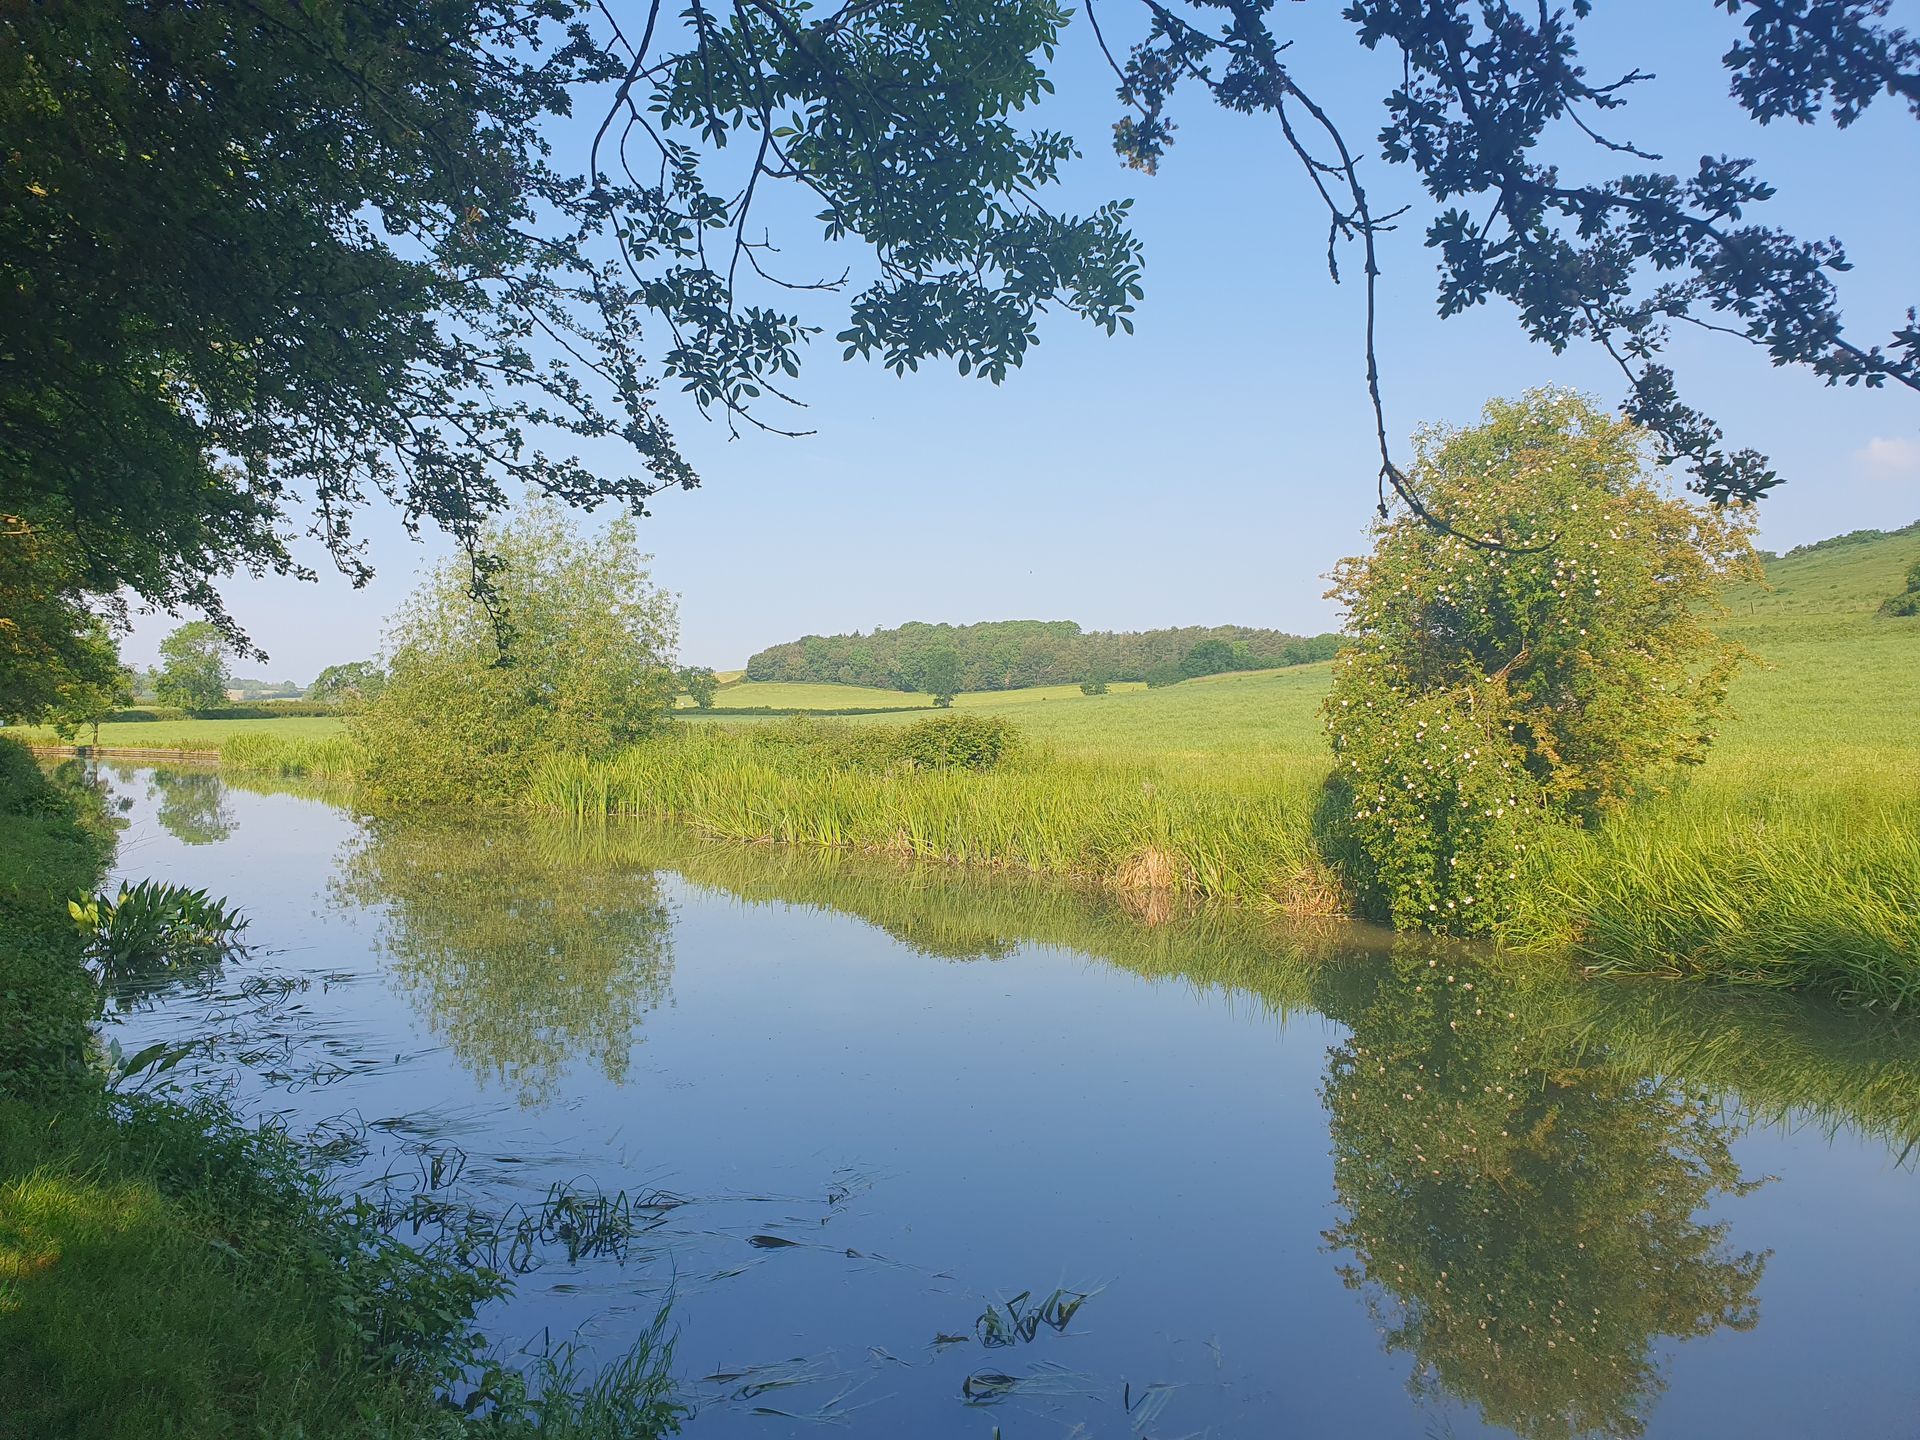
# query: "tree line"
[1016,654]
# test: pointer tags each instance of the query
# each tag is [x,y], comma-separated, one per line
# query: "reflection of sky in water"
[932,1136]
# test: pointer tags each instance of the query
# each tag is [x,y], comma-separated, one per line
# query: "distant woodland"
[1015,654]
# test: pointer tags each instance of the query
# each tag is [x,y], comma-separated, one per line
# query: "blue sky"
[1211,467]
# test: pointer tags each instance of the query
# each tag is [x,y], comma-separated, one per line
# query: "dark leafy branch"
[264,263]
[1489,92]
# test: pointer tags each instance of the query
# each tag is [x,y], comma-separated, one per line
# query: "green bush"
[143,713]
[1544,676]
[967,742]
[268,710]
[1907,602]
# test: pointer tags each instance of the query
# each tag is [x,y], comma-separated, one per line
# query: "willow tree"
[466,713]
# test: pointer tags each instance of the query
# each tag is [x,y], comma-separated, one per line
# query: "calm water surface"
[1310,1184]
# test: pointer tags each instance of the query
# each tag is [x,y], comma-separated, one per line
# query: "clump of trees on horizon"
[1018,654]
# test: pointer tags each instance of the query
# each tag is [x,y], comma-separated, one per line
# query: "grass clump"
[288,757]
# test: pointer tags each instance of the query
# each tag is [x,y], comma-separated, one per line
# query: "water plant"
[153,925]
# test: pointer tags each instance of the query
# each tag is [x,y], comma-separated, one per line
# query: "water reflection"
[1524,1220]
[191,805]
[526,951]
[1533,1179]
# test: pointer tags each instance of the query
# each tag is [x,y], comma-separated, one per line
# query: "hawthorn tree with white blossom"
[1489,692]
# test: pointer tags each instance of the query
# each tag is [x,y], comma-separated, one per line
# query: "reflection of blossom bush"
[1523,1219]
[525,950]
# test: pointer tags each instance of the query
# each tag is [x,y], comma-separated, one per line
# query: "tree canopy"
[193,668]
[462,719]
[1016,654]
[264,261]
[348,683]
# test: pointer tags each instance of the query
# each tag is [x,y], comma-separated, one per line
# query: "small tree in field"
[699,684]
[86,693]
[1490,691]
[584,667]
[940,675]
[193,668]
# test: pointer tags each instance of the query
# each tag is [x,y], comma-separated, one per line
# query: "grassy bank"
[168,1270]
[1785,861]
[208,735]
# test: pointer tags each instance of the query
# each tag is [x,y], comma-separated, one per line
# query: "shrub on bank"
[1534,661]
[567,652]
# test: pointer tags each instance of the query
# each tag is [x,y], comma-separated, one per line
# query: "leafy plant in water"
[155,925]
[1015,1320]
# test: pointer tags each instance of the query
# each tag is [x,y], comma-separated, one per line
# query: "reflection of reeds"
[1777,1054]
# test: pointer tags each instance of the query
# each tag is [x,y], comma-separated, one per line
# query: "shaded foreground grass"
[167,1269]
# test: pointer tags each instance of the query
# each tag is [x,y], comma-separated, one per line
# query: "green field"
[1787,860]
[207,735]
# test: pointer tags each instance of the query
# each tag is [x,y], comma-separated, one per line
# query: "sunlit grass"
[212,735]
[1786,860]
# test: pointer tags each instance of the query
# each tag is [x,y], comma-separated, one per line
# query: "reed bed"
[1242,832]
[326,757]
[1812,889]
[1758,876]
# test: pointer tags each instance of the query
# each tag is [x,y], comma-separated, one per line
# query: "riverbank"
[1786,861]
[168,1268]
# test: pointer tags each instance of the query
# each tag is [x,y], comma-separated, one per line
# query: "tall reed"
[1239,832]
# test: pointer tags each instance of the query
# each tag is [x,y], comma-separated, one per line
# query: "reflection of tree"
[1522,1218]
[191,805]
[524,949]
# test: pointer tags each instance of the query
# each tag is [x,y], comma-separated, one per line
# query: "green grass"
[1786,861]
[210,735]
